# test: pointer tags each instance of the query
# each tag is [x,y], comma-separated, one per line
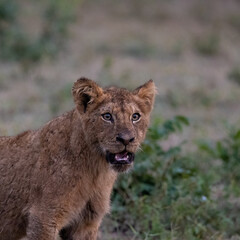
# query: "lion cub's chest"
[90,196]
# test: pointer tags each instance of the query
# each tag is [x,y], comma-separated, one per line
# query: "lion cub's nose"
[125,139]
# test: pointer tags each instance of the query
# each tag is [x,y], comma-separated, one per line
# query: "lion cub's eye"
[107,117]
[136,117]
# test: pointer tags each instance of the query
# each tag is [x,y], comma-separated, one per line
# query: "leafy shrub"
[227,151]
[166,196]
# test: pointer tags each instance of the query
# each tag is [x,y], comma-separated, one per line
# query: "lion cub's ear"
[85,91]
[147,92]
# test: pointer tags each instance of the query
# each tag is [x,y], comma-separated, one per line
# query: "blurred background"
[186,181]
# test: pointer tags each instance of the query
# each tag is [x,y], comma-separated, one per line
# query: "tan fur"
[56,180]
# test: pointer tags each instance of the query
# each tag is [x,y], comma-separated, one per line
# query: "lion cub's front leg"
[86,228]
[41,228]
[87,231]
[92,217]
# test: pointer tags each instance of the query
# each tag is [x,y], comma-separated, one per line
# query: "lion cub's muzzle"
[120,162]
[120,158]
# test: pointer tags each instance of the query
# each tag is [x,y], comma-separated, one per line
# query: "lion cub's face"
[115,120]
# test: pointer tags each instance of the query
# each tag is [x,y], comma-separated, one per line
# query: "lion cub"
[55,183]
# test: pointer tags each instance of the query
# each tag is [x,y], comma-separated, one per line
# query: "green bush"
[227,151]
[167,195]
[225,157]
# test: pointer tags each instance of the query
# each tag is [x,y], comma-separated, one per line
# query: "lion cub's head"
[115,120]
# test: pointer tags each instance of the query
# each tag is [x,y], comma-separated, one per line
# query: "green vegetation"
[227,151]
[234,21]
[169,194]
[207,45]
[16,45]
[234,75]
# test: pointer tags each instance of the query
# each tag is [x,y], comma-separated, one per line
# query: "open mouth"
[120,158]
